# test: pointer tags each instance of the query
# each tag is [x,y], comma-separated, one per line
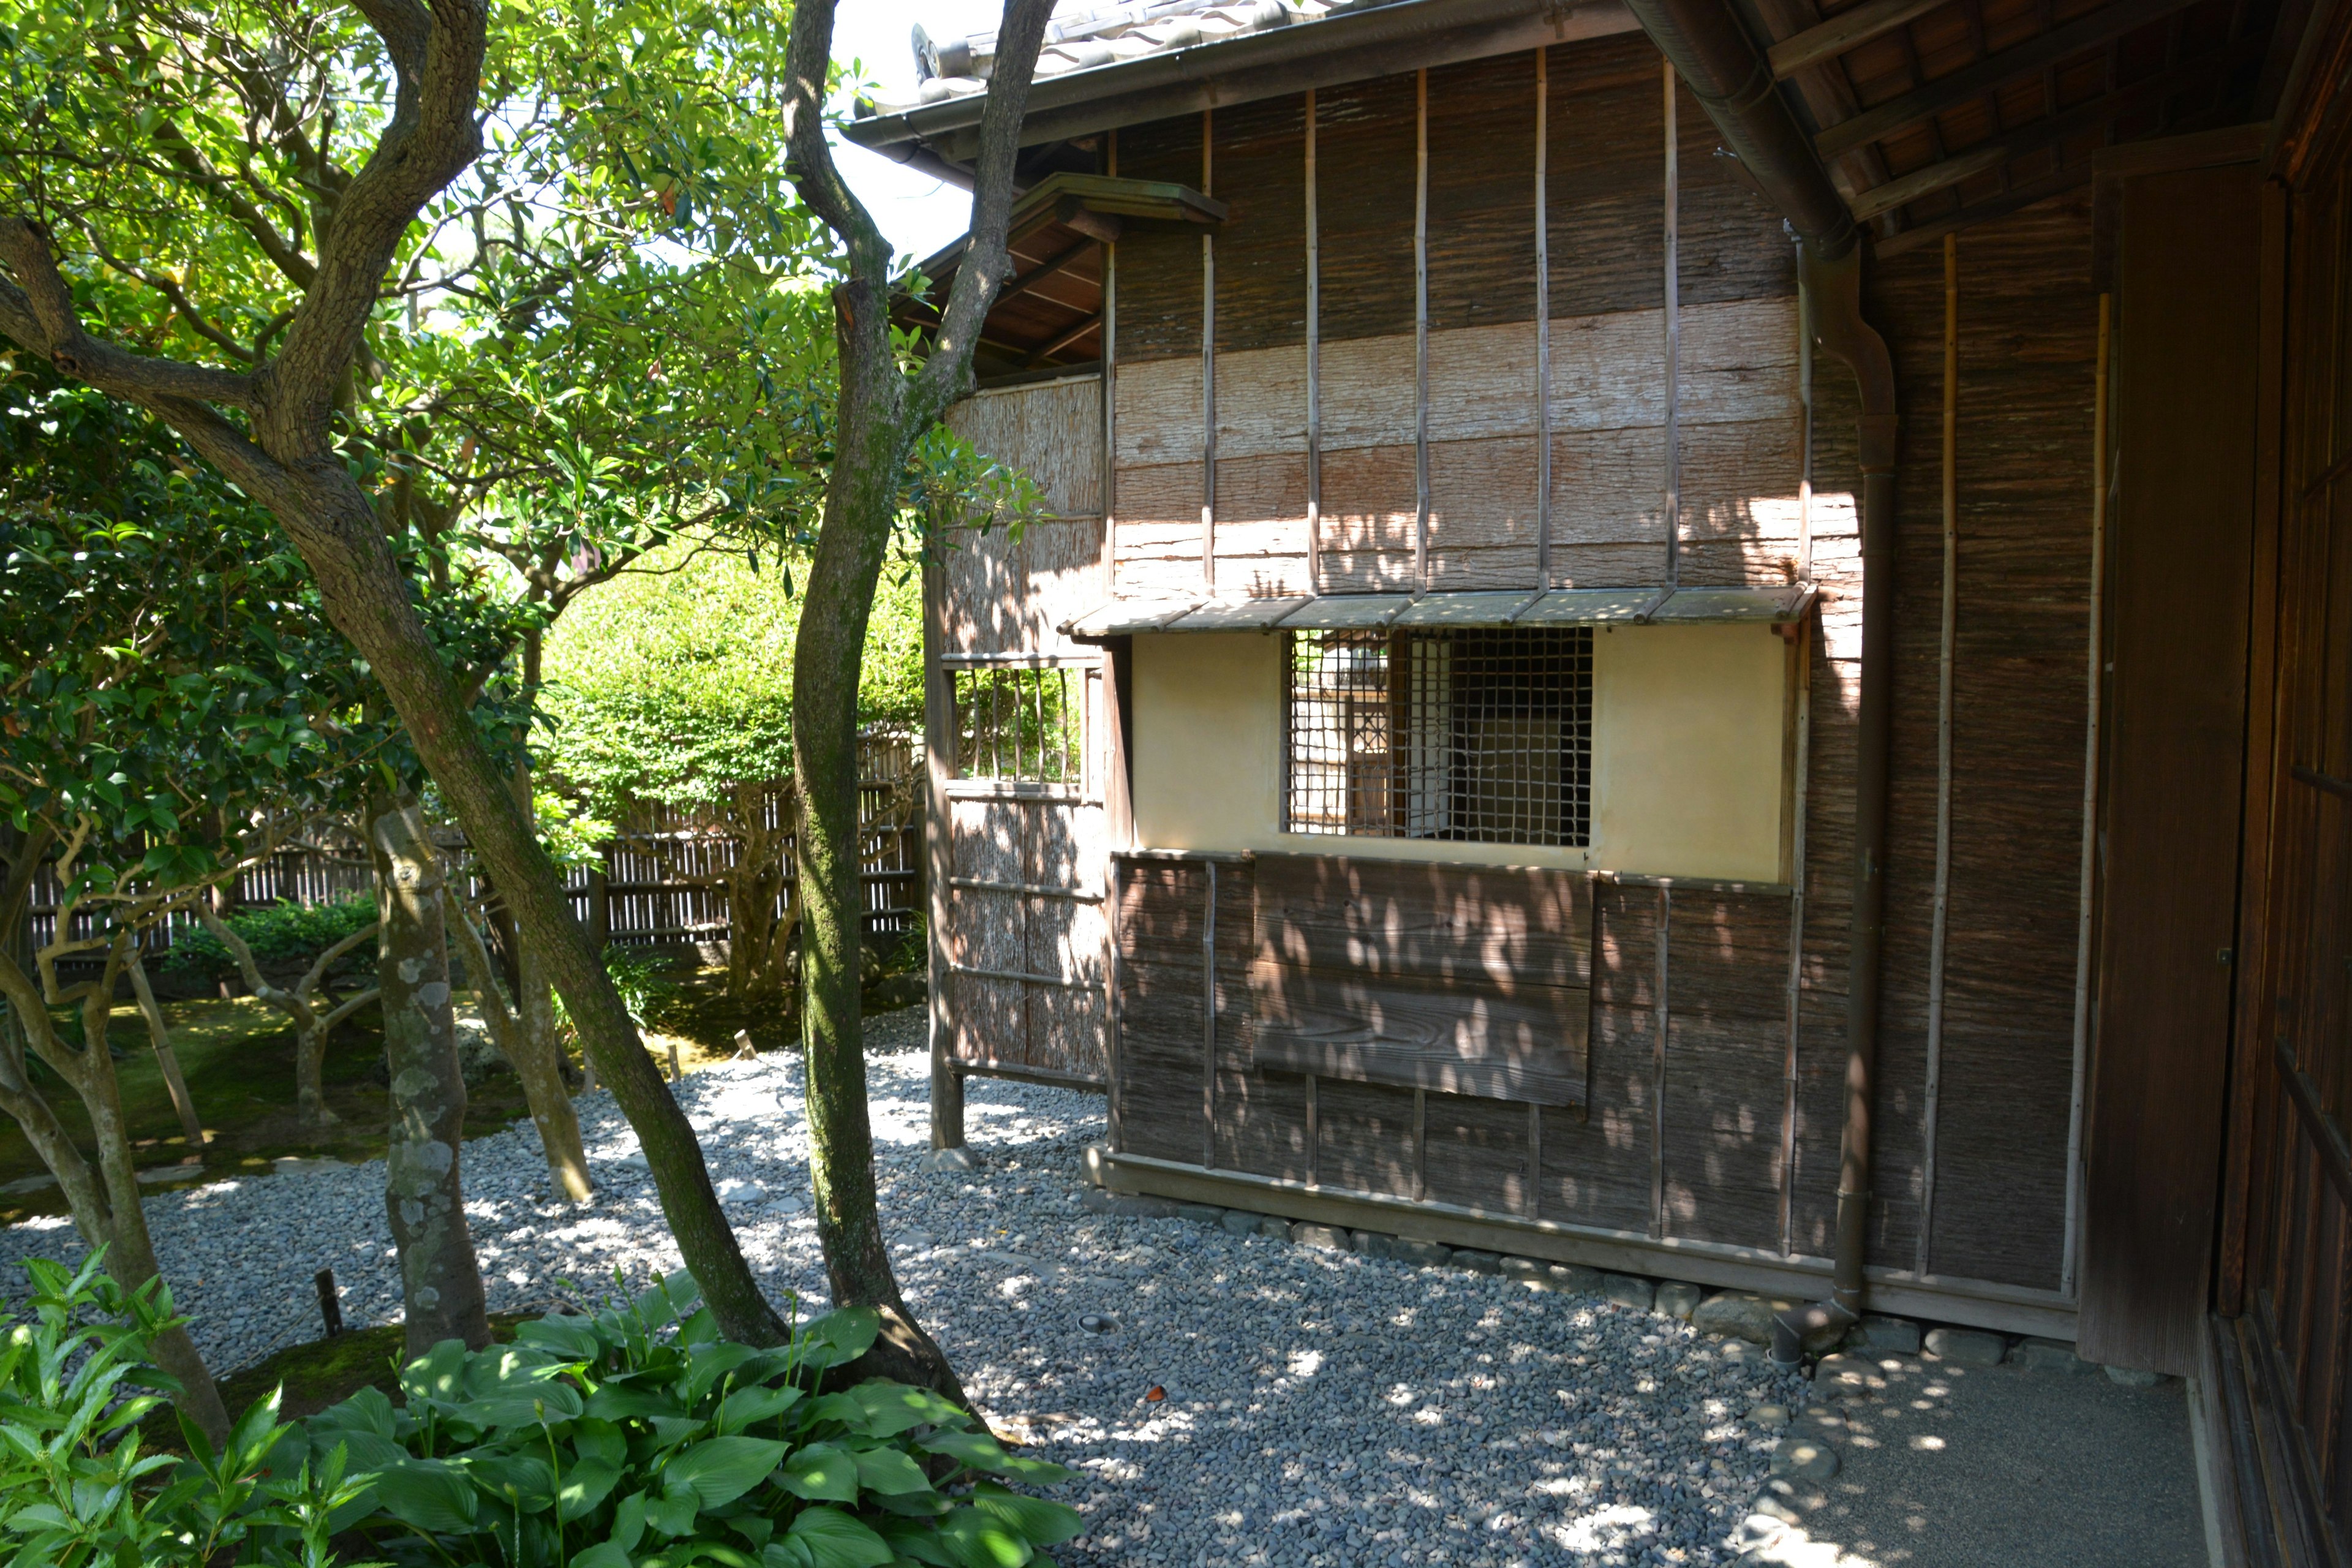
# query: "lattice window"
[1474,736]
[1022,724]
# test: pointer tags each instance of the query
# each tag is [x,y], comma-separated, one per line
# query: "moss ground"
[238,1055]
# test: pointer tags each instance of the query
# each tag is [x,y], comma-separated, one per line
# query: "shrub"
[282,933]
[637,1438]
[74,1487]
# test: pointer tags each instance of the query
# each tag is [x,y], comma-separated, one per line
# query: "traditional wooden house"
[1690,637]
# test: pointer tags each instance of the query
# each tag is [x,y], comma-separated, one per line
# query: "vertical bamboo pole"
[1534,1205]
[1420,1144]
[1674,339]
[1209,1020]
[1208,368]
[1543,321]
[1110,393]
[1314,367]
[1314,1138]
[1802,766]
[1421,333]
[1940,920]
[2099,415]
[1659,1020]
[938,767]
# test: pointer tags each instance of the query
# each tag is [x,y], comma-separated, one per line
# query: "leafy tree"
[884,411]
[673,684]
[284,186]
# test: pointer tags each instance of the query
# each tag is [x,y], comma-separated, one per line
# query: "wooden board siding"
[1607,130]
[1364,185]
[1481,196]
[1259,171]
[1445,979]
[1159,266]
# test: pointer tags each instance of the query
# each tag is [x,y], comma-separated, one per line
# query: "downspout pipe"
[1716,59]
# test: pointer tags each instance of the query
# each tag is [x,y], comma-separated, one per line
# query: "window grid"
[1022,724]
[1479,737]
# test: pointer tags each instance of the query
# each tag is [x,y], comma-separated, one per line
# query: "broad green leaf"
[720,1469]
[982,1452]
[430,1495]
[895,1407]
[603,1555]
[822,1470]
[749,1406]
[1043,1523]
[973,1540]
[838,1540]
[890,1472]
[584,1487]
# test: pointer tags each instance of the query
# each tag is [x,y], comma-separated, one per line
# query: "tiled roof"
[1082,36]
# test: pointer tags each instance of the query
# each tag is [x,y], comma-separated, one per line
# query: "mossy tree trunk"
[440,1281]
[880,415]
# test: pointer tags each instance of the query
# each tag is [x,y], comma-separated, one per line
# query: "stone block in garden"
[2049,1355]
[1477,1262]
[1884,1336]
[1629,1291]
[2132,1378]
[1201,1214]
[1330,1237]
[1676,1298]
[1241,1222]
[1735,1315]
[1275,1227]
[1806,1458]
[1969,1347]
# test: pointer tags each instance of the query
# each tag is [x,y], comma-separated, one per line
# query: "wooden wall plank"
[1159,266]
[1482,176]
[1726,1033]
[1364,151]
[1607,125]
[1261,175]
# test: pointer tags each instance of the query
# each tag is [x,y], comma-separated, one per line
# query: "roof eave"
[1350,48]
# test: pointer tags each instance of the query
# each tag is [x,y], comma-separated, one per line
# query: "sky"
[916,212]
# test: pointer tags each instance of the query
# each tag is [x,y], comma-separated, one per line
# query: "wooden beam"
[1827,96]
[2035,135]
[1044,269]
[1972,81]
[1067,336]
[2007,201]
[1846,30]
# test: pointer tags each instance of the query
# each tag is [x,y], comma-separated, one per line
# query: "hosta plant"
[637,1438]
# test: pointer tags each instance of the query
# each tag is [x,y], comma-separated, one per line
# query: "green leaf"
[603,1555]
[890,1472]
[838,1540]
[822,1470]
[895,1407]
[586,1484]
[721,1469]
[429,1495]
[750,1406]
[1043,1523]
[840,1336]
[973,1540]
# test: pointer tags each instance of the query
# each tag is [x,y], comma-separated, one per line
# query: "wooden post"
[938,767]
[1111,395]
[1939,924]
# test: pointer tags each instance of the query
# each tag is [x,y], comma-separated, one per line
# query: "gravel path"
[1321,1409]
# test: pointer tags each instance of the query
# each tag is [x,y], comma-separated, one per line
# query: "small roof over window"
[1383,612]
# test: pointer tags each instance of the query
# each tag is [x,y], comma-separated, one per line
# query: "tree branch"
[431,136]
[37,310]
[986,262]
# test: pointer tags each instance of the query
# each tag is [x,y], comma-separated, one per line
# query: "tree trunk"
[159,1035]
[541,1072]
[311,1077]
[440,1282]
[105,1202]
[828,651]
[367,600]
